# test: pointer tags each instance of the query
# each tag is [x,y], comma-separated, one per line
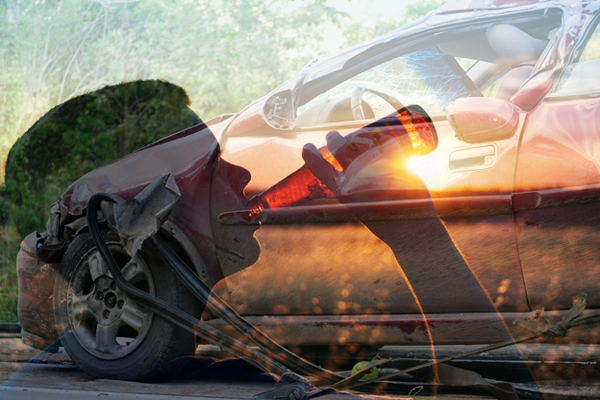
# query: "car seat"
[516,49]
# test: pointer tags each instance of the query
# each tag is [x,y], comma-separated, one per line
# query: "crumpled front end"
[188,155]
[185,154]
[36,287]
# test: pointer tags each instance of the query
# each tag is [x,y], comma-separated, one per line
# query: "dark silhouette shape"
[84,133]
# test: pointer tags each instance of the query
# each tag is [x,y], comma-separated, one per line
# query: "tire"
[104,332]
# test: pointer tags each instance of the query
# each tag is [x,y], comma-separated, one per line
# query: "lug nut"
[110,300]
[120,304]
[113,285]
[106,314]
[100,295]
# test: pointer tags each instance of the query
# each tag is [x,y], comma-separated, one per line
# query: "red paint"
[446,329]
[483,119]
[534,90]
[556,165]
[410,126]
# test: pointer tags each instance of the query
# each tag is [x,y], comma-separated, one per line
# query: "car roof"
[450,13]
[470,5]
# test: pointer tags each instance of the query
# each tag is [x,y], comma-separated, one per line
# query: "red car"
[513,91]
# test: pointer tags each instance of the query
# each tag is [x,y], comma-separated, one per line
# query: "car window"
[426,77]
[583,75]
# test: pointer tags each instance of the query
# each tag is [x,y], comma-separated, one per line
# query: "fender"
[190,156]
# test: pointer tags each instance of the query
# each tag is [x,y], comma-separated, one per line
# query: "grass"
[9,247]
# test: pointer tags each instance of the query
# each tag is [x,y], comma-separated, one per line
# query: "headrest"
[513,46]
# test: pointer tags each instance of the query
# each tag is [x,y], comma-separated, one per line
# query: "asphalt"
[26,373]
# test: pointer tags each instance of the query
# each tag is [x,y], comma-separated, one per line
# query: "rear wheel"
[108,334]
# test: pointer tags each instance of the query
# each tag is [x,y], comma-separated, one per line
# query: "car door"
[557,189]
[320,261]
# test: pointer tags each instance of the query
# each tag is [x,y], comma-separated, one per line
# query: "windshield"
[487,59]
[426,77]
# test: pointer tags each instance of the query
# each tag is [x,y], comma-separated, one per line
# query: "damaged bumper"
[36,286]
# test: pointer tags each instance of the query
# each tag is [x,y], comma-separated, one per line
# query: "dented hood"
[185,155]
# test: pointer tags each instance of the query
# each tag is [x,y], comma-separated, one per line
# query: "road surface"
[26,373]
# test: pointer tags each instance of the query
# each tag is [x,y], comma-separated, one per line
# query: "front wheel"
[106,333]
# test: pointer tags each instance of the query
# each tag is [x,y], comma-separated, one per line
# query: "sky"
[361,11]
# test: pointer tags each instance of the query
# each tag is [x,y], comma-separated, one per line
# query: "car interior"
[508,50]
[496,60]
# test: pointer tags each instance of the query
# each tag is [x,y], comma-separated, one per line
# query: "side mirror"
[482,119]
[278,111]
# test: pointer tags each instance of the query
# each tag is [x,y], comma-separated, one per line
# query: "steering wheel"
[356,101]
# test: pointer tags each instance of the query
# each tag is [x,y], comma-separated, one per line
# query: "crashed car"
[513,92]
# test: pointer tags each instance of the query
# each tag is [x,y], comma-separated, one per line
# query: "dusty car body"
[515,179]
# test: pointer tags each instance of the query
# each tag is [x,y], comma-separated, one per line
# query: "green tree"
[226,53]
[84,133]
[398,17]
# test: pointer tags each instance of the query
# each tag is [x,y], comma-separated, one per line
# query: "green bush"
[9,246]
[5,208]
[83,134]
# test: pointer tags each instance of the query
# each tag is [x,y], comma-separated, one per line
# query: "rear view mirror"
[482,119]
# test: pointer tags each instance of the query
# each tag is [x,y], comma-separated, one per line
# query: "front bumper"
[35,305]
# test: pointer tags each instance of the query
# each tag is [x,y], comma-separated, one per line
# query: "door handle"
[472,158]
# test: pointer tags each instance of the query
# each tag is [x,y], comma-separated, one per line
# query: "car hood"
[184,154]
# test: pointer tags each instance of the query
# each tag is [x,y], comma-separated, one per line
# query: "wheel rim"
[106,322]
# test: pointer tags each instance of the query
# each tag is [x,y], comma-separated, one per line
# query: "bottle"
[410,126]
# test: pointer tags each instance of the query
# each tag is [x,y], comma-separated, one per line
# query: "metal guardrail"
[10,328]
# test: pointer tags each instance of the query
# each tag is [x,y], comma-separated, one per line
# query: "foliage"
[9,247]
[226,53]
[84,133]
[5,208]
[356,33]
